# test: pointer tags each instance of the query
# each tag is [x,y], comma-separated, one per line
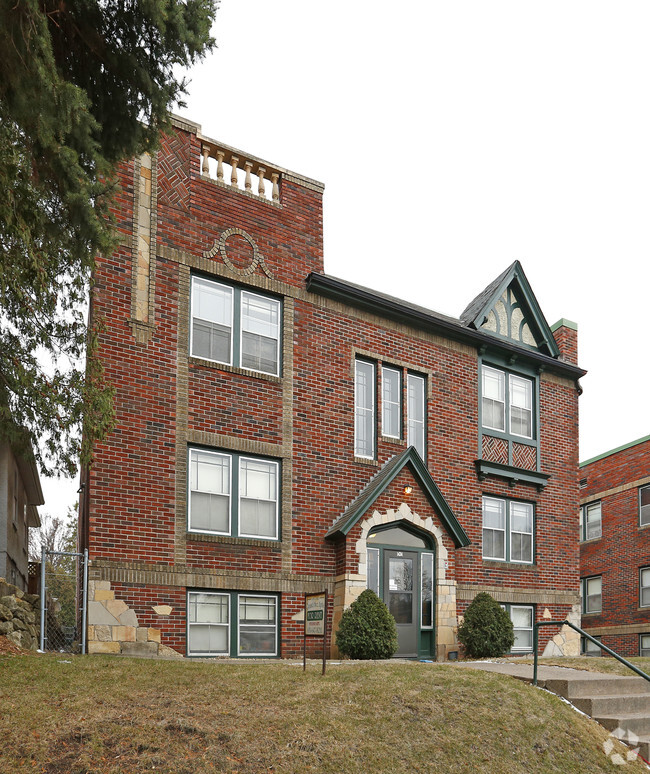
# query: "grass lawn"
[604,664]
[107,714]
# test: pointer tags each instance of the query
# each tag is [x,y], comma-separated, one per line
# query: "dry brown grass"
[114,715]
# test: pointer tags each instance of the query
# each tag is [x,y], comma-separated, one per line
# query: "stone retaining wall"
[19,616]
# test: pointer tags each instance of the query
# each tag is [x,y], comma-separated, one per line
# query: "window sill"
[593,612]
[590,540]
[204,537]
[512,474]
[392,439]
[366,461]
[198,361]
[501,563]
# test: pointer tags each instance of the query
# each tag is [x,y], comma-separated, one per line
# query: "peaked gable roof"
[508,309]
[378,483]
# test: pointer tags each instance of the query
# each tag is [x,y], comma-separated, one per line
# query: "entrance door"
[400,596]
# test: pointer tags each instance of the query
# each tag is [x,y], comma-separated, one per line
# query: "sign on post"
[315,622]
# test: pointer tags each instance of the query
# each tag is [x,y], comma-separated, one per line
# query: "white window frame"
[485,369]
[373,583]
[235,313]
[247,654]
[213,453]
[388,405]
[234,498]
[277,498]
[238,300]
[644,586]
[529,392]
[364,410]
[585,512]
[203,623]
[644,510]
[584,590]
[530,629]
[412,423]
[506,380]
[506,509]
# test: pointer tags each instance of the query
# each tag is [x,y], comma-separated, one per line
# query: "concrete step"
[636,722]
[613,705]
[597,686]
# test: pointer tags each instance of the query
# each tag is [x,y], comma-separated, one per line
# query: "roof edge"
[614,451]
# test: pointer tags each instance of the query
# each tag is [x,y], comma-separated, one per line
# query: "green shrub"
[367,630]
[486,631]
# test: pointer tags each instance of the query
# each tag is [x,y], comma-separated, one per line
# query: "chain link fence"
[64,580]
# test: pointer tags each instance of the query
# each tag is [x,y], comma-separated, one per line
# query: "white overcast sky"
[453,138]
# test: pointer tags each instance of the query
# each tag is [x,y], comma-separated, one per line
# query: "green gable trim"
[411,459]
[515,276]
[614,451]
[564,323]
[514,475]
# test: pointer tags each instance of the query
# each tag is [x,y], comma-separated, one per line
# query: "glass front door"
[400,572]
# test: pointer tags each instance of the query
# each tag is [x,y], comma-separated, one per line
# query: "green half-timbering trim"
[419,318]
[509,472]
[509,310]
[410,459]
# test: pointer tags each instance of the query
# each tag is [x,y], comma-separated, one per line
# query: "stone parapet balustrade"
[236,169]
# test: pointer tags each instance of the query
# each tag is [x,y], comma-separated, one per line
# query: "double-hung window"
[590,521]
[391,402]
[364,409]
[506,402]
[232,494]
[231,624]
[644,587]
[644,645]
[508,530]
[234,326]
[644,505]
[415,412]
[591,590]
[522,617]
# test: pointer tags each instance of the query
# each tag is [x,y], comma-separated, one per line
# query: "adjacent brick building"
[615,548]
[281,431]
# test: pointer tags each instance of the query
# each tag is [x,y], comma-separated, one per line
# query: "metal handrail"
[583,633]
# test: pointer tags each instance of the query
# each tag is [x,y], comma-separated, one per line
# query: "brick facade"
[621,551]
[177,223]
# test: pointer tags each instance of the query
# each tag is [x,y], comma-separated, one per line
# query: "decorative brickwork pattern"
[495,449]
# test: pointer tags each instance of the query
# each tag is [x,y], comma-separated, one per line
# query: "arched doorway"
[401,568]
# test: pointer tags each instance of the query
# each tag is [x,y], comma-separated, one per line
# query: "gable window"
[415,412]
[644,587]
[232,494]
[644,505]
[391,402]
[506,402]
[364,409]
[235,327]
[507,530]
[644,645]
[231,624]
[590,521]
[591,592]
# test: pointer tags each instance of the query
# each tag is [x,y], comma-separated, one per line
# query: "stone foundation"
[19,616]
[113,627]
[567,641]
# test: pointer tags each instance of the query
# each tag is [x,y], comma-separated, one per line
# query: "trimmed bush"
[367,630]
[486,631]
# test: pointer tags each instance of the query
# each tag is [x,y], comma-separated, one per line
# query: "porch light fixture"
[408,489]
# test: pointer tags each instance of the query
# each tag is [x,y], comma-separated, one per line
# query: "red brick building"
[281,431]
[615,548]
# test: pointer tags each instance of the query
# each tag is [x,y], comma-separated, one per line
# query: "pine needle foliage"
[83,84]
[367,629]
[486,631]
